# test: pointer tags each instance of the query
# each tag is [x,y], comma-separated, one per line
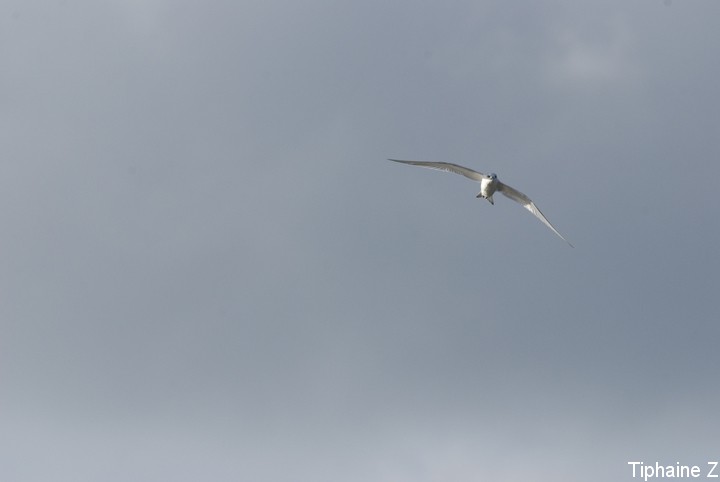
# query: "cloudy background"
[209,271]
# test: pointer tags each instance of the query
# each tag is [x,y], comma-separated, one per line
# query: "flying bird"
[489,185]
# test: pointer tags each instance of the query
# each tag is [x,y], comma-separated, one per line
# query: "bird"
[489,185]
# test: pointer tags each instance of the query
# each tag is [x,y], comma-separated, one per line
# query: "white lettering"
[649,472]
[711,473]
[677,471]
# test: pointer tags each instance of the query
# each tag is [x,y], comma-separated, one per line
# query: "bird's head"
[492,176]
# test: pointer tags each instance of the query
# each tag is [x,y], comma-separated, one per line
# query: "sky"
[210,271]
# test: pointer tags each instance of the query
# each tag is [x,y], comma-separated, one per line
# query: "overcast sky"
[210,271]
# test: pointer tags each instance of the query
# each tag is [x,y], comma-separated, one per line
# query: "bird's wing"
[446,166]
[527,203]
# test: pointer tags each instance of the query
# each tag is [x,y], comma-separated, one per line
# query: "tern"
[489,185]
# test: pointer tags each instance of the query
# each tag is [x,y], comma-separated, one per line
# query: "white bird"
[489,184]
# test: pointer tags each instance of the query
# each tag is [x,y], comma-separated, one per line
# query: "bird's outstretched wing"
[447,166]
[527,203]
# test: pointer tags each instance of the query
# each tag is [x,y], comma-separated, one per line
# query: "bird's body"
[489,185]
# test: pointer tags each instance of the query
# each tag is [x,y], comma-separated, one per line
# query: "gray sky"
[210,271]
